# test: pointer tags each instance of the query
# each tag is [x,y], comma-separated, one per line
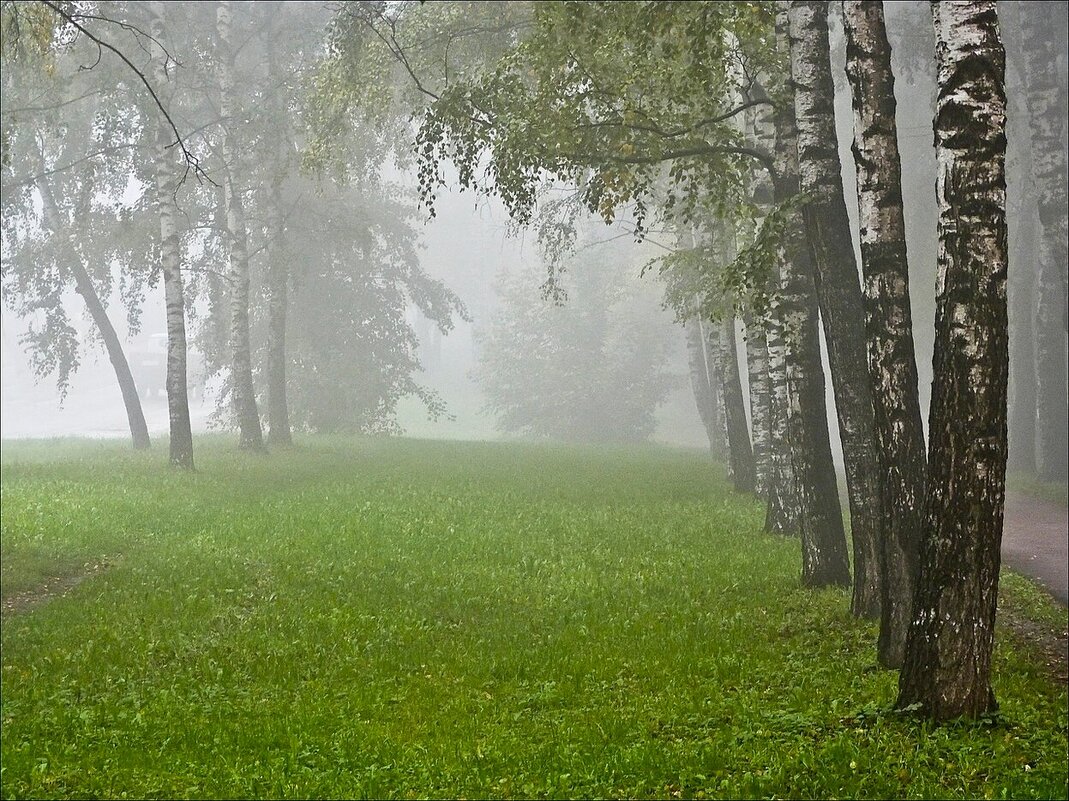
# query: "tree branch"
[192,162]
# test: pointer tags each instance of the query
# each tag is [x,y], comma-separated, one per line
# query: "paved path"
[1035,542]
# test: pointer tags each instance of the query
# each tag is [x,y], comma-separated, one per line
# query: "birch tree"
[946,672]
[166,188]
[243,395]
[820,522]
[888,322]
[838,290]
[57,232]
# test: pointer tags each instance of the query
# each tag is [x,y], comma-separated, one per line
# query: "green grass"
[407,619]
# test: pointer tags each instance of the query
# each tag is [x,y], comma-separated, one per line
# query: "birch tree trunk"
[888,322]
[716,371]
[1052,417]
[757,367]
[947,668]
[820,522]
[781,515]
[838,290]
[1021,293]
[181,450]
[135,415]
[242,392]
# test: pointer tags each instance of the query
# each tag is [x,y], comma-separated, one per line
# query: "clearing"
[373,617]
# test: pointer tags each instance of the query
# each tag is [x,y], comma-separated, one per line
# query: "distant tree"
[352,351]
[1043,40]
[703,349]
[946,672]
[242,392]
[590,370]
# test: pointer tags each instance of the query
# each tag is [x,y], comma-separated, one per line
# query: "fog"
[444,311]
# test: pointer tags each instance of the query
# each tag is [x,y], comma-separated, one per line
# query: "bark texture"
[838,290]
[242,392]
[820,522]
[888,323]
[781,514]
[947,668]
[181,450]
[757,376]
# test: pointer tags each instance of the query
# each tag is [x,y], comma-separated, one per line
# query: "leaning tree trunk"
[757,367]
[820,522]
[242,392]
[83,285]
[888,323]
[742,462]
[838,290]
[166,188]
[947,668]
[131,400]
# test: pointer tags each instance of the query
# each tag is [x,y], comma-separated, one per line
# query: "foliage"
[369,618]
[353,350]
[610,97]
[588,369]
[385,61]
[638,106]
[71,136]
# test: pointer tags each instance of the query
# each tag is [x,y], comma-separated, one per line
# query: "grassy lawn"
[400,618]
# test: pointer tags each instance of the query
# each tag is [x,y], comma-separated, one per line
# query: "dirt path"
[52,587]
[1035,542]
